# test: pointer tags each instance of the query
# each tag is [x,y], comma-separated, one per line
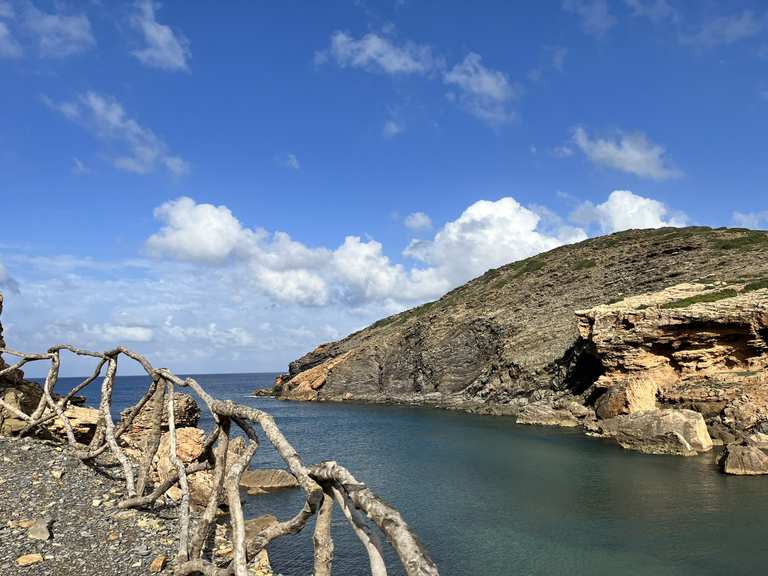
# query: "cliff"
[512,337]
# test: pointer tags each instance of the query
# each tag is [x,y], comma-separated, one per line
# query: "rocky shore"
[59,517]
[657,338]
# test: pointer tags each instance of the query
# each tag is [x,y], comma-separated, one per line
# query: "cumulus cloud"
[486,235]
[376,53]
[6,280]
[484,92]
[163,48]
[418,221]
[144,151]
[59,35]
[9,47]
[751,219]
[628,152]
[625,210]
[724,30]
[197,232]
[595,15]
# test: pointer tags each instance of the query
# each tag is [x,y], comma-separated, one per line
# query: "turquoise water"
[489,497]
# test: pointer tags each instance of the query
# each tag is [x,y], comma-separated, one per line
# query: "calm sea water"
[489,497]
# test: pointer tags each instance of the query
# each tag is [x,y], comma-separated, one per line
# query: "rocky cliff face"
[694,346]
[512,333]
[657,338]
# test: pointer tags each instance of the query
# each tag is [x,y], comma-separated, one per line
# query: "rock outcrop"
[665,431]
[267,479]
[743,460]
[511,332]
[702,347]
[661,336]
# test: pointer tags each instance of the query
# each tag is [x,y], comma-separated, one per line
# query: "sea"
[488,497]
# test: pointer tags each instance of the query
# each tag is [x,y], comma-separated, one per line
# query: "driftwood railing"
[324,484]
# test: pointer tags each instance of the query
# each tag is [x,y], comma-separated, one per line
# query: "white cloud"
[485,92]
[377,53]
[486,235]
[292,162]
[144,153]
[6,280]
[9,47]
[632,153]
[163,47]
[625,210]
[595,15]
[391,129]
[110,333]
[197,232]
[59,35]
[751,219]
[724,30]
[418,221]
[656,10]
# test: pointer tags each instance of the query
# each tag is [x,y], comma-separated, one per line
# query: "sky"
[225,185]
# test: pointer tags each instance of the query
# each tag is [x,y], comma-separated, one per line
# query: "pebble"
[28,559]
[39,530]
[157,564]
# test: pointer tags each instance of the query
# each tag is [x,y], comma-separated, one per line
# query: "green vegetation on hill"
[700,298]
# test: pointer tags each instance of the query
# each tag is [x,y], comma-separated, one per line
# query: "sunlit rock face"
[695,346]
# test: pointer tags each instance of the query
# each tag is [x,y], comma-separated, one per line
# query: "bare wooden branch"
[152,440]
[322,484]
[322,539]
[411,551]
[183,553]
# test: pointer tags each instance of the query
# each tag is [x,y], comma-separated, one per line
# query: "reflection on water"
[492,498]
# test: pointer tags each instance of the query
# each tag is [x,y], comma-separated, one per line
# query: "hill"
[511,336]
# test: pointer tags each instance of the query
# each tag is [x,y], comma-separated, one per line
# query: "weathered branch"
[322,484]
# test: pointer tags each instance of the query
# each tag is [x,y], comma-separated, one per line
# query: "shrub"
[699,298]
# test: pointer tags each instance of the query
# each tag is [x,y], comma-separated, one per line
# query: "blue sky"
[225,185]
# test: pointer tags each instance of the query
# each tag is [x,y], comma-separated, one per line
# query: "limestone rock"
[664,431]
[543,414]
[189,447]
[28,560]
[40,530]
[255,525]
[744,460]
[186,414]
[697,346]
[268,479]
[157,564]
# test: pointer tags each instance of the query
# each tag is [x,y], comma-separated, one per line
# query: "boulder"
[634,395]
[544,414]
[189,447]
[255,525]
[185,411]
[664,431]
[267,479]
[744,460]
